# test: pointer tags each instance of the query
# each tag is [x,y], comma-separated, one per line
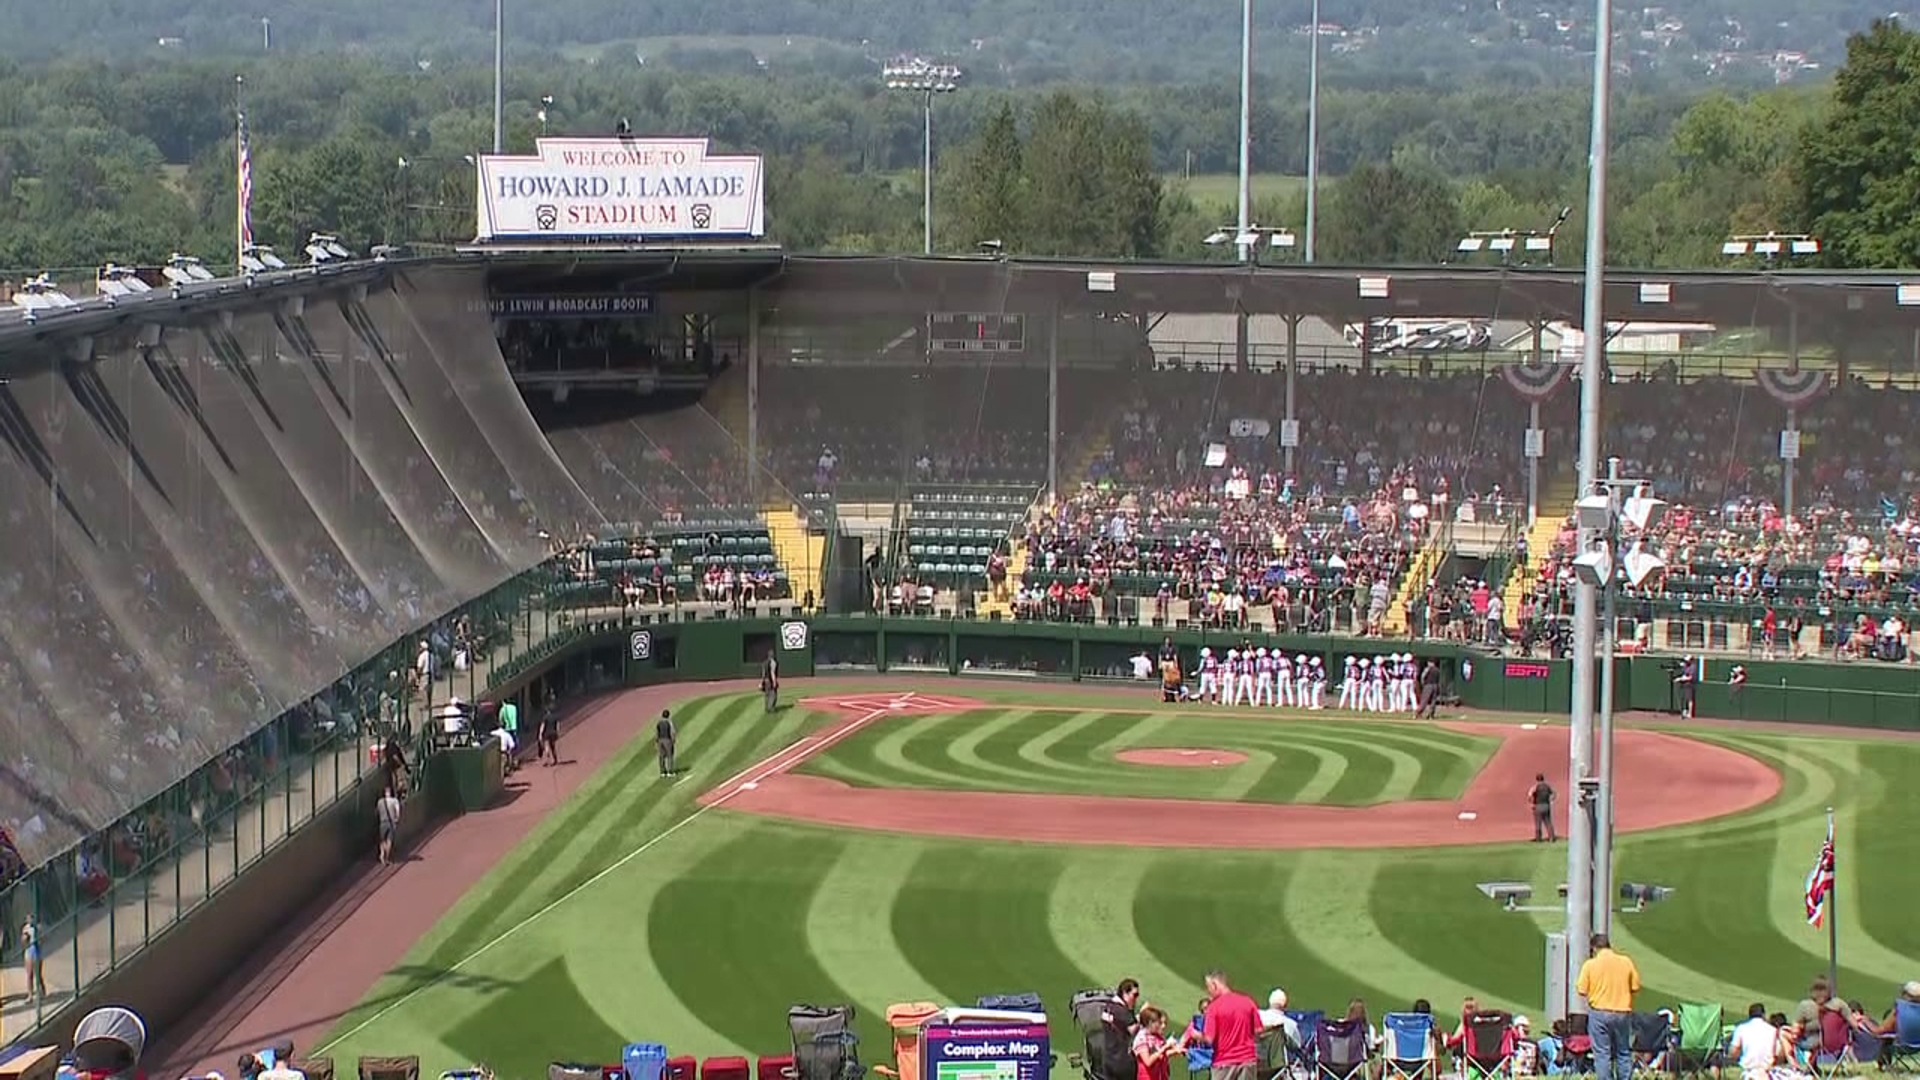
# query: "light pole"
[1582,833]
[499,76]
[926,79]
[1602,565]
[1313,133]
[546,109]
[1245,218]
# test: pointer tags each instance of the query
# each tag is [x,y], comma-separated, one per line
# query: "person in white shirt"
[1142,665]
[1755,1044]
[1275,1016]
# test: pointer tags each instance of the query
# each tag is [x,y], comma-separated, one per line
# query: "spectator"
[1151,1048]
[1755,1044]
[1608,981]
[1232,1028]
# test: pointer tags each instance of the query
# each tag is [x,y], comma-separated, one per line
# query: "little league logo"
[640,645]
[546,217]
[702,215]
[793,636]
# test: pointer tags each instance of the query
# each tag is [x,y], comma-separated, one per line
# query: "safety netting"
[208,526]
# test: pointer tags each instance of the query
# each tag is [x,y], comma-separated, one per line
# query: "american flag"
[246,187]
[1820,882]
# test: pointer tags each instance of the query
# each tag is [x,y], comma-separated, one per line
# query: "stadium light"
[1531,243]
[1252,238]
[324,248]
[115,282]
[1771,246]
[926,79]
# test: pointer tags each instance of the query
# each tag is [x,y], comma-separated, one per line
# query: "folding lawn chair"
[1343,1049]
[1275,1054]
[1903,1048]
[1486,1050]
[1835,1056]
[1577,1044]
[904,1020]
[1703,1044]
[1652,1038]
[1409,1046]
[825,1046]
[1305,1054]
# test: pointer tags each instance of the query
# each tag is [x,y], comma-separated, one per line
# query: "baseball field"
[869,843]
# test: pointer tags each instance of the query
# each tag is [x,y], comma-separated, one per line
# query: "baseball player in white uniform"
[1263,678]
[1376,698]
[1317,684]
[1283,679]
[1350,684]
[1209,677]
[1243,679]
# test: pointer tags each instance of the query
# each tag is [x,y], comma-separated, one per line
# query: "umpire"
[664,737]
[1540,796]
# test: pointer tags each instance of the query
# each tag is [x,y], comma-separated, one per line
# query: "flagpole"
[239,187]
[1833,913]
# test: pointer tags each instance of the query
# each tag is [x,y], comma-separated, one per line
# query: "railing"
[168,857]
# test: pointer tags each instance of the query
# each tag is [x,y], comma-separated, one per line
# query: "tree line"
[135,161]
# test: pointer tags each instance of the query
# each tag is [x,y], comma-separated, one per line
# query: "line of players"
[1268,677]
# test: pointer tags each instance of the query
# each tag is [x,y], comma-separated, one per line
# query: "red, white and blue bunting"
[1536,381]
[1794,389]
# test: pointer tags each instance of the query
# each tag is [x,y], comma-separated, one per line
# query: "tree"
[1857,175]
[1390,214]
[988,199]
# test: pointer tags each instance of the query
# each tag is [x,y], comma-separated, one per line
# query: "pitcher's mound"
[1180,758]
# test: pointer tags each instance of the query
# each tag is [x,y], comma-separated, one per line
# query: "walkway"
[140,908]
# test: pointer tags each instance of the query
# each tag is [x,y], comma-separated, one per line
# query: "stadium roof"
[1348,293]
[892,284]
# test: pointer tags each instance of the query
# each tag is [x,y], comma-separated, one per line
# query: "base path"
[1663,780]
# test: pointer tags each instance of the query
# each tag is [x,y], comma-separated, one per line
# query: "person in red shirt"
[1152,1048]
[1232,1025]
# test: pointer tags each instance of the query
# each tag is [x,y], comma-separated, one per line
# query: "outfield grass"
[704,937]
[1331,762]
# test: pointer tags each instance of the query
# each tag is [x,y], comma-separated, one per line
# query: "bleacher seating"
[955,536]
[719,556]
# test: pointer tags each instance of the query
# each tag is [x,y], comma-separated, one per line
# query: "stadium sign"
[620,189]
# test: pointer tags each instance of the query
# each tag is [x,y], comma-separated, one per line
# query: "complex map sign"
[620,189]
[985,1052]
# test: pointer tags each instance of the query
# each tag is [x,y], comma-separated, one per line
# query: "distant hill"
[1006,40]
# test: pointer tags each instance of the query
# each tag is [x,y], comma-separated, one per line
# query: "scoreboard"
[963,332]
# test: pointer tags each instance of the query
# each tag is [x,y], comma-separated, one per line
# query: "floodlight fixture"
[1219,236]
[1771,245]
[115,282]
[326,248]
[926,79]
[383,252]
[1504,242]
[260,259]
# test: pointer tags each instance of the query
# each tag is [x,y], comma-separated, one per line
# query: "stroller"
[824,1044]
[1091,1009]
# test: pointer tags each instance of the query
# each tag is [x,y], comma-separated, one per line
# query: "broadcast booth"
[586,283]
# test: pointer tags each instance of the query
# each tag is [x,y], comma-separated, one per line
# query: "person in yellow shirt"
[1608,980]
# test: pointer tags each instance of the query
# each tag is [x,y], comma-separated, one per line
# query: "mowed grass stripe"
[1195,912]
[849,924]
[1496,953]
[964,749]
[1058,751]
[521,885]
[737,919]
[1878,836]
[1798,842]
[1091,913]
[973,921]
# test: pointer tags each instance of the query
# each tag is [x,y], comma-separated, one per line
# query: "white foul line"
[769,767]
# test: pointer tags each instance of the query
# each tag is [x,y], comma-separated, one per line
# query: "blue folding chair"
[1903,1048]
[1409,1046]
